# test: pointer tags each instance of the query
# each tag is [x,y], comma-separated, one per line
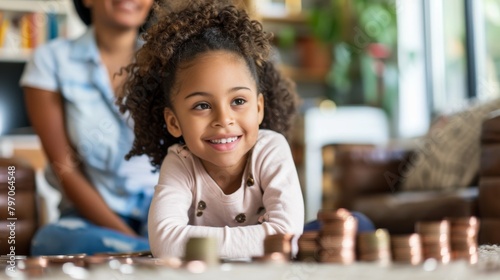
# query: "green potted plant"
[358,32]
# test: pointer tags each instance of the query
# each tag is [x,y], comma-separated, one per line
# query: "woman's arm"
[45,110]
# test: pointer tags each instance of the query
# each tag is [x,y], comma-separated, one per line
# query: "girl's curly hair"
[177,38]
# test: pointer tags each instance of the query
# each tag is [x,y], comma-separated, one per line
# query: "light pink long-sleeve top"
[188,202]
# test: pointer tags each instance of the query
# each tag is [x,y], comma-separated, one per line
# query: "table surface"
[290,271]
[487,267]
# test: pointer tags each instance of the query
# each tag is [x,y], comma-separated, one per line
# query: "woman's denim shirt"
[97,130]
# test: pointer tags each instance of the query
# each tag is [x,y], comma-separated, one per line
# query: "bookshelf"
[54,6]
[15,56]
[23,27]
[26,24]
[16,47]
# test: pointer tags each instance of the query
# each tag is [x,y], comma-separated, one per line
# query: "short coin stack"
[76,259]
[308,246]
[435,236]
[202,249]
[337,236]
[374,246]
[463,236]
[406,248]
[33,267]
[278,243]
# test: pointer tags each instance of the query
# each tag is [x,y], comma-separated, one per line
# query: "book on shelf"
[27,30]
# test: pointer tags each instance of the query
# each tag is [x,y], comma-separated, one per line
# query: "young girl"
[211,110]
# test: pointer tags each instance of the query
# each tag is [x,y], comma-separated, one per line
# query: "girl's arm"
[282,198]
[45,110]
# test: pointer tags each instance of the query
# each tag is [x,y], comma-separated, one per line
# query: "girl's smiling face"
[217,109]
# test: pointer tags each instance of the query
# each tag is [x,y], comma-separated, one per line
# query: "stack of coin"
[33,267]
[169,262]
[105,258]
[337,236]
[374,246]
[127,254]
[76,259]
[435,236]
[308,246]
[96,260]
[463,236]
[406,248]
[278,243]
[11,260]
[203,249]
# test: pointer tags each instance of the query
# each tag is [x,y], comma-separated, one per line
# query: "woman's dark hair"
[83,12]
[178,38]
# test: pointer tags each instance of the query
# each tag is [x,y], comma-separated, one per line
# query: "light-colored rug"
[489,257]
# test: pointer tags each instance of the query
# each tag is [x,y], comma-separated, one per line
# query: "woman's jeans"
[73,234]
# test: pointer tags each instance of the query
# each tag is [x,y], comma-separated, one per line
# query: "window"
[447,61]
[447,54]
[487,50]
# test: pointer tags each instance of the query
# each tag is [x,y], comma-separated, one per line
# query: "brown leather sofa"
[368,179]
[18,223]
[489,180]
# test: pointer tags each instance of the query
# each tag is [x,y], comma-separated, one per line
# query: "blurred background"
[414,59]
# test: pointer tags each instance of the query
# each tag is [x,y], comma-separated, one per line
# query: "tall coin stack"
[337,236]
[374,246]
[406,248]
[463,236]
[435,236]
[308,246]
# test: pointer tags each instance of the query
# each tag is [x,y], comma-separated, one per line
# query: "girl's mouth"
[224,144]
[224,140]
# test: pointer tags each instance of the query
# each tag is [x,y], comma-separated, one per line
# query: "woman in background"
[70,90]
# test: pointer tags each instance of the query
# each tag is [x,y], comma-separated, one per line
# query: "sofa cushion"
[20,224]
[488,231]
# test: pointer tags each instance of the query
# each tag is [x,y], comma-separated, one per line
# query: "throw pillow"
[448,156]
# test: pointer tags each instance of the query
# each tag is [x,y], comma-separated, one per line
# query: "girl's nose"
[223,117]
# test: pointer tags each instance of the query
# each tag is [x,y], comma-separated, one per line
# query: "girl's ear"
[173,126]
[260,107]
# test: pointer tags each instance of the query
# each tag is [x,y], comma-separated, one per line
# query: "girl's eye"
[239,101]
[202,106]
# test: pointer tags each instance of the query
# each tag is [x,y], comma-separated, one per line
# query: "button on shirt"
[98,131]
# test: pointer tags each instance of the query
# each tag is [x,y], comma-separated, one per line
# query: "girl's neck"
[229,178]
